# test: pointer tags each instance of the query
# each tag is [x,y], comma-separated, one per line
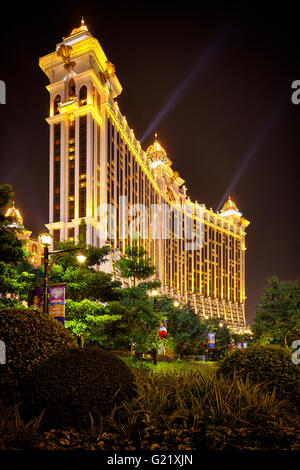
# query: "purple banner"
[211,340]
[57,303]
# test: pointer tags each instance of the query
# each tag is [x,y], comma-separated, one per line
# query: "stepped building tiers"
[99,172]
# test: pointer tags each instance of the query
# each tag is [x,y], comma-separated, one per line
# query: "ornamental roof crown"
[82,27]
[14,212]
[229,205]
[156,155]
[230,208]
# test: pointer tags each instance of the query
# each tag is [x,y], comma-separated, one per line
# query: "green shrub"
[270,364]
[164,358]
[78,382]
[30,337]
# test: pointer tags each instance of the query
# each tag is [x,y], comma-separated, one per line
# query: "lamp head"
[45,239]
[154,293]
[81,257]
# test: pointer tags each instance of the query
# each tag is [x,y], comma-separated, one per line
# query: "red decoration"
[162,334]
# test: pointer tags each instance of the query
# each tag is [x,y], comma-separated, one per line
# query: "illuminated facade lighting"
[95,159]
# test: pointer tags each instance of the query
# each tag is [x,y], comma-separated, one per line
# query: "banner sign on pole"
[57,303]
[37,299]
[239,345]
[211,340]
[245,345]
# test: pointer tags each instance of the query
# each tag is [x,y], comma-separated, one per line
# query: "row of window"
[219,272]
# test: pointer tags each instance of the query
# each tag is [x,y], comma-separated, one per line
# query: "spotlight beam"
[202,62]
[258,142]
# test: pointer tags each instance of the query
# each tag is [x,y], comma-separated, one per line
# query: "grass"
[175,366]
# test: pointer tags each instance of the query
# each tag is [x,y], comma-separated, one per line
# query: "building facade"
[32,245]
[99,172]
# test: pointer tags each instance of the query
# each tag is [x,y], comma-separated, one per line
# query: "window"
[57,100]
[71,89]
[83,95]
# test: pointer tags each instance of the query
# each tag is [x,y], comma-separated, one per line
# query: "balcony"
[69,106]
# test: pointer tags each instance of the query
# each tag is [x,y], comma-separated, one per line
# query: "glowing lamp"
[176,303]
[45,239]
[81,257]
[221,324]
[154,293]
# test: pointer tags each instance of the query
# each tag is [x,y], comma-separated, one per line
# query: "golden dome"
[81,28]
[156,154]
[229,205]
[156,147]
[14,212]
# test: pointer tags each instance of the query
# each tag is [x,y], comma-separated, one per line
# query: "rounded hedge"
[72,384]
[30,337]
[271,365]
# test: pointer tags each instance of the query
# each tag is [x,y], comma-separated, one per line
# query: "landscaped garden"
[91,399]
[133,384]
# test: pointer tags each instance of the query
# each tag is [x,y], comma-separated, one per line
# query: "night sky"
[219,78]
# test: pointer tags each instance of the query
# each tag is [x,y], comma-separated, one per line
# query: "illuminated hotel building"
[95,158]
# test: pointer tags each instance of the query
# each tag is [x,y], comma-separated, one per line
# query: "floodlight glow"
[81,257]
[45,239]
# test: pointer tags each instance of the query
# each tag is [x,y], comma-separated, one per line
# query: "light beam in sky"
[259,140]
[204,59]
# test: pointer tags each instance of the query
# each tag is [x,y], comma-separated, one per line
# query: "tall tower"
[82,81]
[97,164]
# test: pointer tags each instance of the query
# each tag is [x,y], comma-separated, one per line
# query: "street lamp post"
[45,240]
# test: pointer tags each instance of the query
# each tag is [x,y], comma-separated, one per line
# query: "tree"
[185,328]
[139,320]
[277,318]
[95,256]
[135,265]
[84,284]
[14,285]
[223,337]
[91,320]
[11,247]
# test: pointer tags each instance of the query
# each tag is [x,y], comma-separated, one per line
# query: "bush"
[270,364]
[30,337]
[164,358]
[78,382]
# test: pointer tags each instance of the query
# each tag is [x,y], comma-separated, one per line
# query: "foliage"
[90,319]
[77,383]
[270,364]
[94,256]
[186,411]
[139,319]
[84,284]
[15,284]
[277,318]
[30,338]
[223,338]
[184,326]
[171,366]
[11,247]
[135,265]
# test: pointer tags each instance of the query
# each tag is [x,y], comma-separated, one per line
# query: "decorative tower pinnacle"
[14,212]
[156,155]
